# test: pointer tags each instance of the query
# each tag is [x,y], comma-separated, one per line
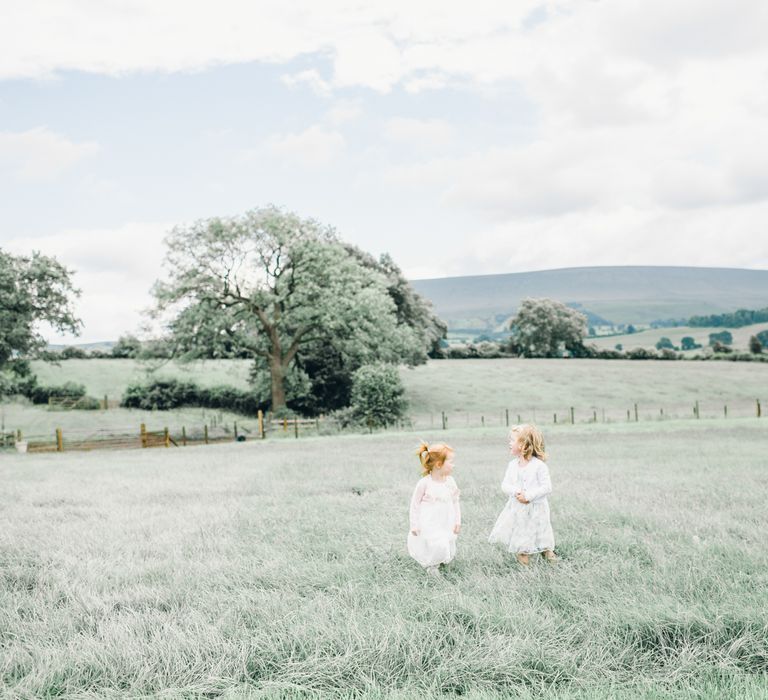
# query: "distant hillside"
[617,294]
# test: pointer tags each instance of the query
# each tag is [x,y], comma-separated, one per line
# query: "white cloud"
[420,133]
[626,236]
[40,154]
[344,111]
[313,147]
[650,128]
[312,78]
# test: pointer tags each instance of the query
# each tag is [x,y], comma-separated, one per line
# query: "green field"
[279,569]
[470,392]
[648,338]
[111,377]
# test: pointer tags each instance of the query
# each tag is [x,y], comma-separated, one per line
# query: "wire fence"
[262,427]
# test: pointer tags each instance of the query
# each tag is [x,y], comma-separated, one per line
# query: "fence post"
[573,421]
[106,402]
[167,437]
[143,435]
[317,425]
[445,420]
[628,417]
[59,440]
[260,418]
[519,419]
[235,431]
[18,436]
[295,427]
[594,415]
[759,409]
[285,425]
[555,416]
[183,436]
[205,433]
[696,409]
[725,411]
[636,417]
[482,421]
[506,413]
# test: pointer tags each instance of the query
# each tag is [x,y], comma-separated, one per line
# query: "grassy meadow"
[472,393]
[278,569]
[649,337]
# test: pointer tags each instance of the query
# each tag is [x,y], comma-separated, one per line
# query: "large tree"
[34,290]
[330,363]
[269,283]
[547,328]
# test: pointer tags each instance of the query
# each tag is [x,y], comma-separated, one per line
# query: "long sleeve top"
[430,491]
[532,480]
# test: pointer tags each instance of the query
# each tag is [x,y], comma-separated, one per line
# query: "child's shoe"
[523,559]
[549,556]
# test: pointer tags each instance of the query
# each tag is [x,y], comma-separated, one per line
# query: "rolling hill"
[618,295]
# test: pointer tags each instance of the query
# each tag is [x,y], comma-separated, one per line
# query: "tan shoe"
[549,556]
[523,559]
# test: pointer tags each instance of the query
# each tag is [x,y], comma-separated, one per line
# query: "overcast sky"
[463,138]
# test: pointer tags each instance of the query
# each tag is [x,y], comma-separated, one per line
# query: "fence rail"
[260,427]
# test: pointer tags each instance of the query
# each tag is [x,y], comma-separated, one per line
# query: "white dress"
[524,528]
[434,512]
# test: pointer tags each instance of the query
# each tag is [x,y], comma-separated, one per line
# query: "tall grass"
[279,570]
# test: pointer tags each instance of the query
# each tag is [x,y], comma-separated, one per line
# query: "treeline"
[735,319]
[25,384]
[127,347]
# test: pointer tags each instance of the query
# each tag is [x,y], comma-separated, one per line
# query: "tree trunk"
[278,383]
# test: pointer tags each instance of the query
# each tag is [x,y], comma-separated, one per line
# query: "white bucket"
[21,446]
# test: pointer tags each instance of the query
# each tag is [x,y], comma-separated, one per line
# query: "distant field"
[111,377]
[470,391]
[649,338]
[279,570]
[537,388]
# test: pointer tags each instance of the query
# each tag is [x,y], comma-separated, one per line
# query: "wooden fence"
[217,431]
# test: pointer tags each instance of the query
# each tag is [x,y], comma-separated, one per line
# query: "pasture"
[649,337]
[471,393]
[278,569]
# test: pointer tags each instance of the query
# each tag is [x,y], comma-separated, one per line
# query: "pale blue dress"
[525,528]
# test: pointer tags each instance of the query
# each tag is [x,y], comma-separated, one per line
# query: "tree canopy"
[548,328]
[34,289]
[269,285]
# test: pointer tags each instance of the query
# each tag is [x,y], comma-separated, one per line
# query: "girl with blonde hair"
[523,526]
[435,514]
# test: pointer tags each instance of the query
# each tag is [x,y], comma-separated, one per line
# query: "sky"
[489,137]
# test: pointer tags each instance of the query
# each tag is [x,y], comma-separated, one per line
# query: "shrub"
[642,354]
[377,395]
[723,338]
[689,343]
[160,395]
[73,353]
[664,342]
[608,354]
[68,390]
[127,346]
[668,354]
[755,346]
[165,394]
[88,403]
